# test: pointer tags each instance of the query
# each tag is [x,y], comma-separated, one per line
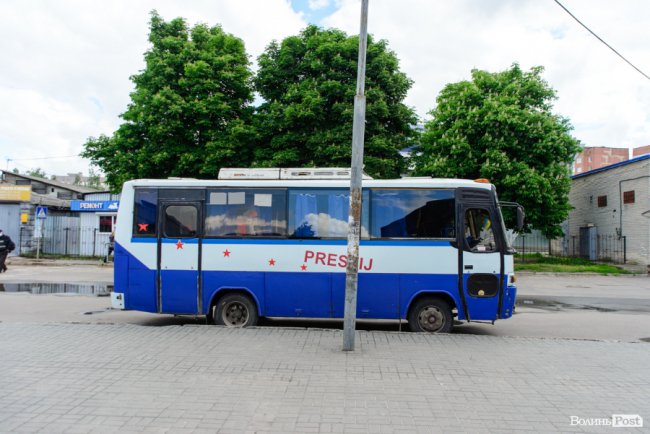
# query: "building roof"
[611,166]
[43,199]
[71,187]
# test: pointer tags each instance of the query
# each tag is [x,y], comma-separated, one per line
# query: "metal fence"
[604,248]
[64,236]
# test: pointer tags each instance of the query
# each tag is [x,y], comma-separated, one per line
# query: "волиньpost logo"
[616,421]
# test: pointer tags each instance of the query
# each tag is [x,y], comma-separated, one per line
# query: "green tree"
[309,82]
[37,172]
[94,179]
[500,126]
[190,112]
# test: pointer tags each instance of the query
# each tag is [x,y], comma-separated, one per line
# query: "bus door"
[480,262]
[179,257]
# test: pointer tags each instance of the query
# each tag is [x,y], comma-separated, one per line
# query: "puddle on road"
[95,289]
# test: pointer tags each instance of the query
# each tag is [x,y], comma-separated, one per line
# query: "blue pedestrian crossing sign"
[41,212]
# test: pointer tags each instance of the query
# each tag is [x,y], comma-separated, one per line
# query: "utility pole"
[354,219]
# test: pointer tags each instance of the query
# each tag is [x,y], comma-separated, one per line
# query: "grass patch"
[552,264]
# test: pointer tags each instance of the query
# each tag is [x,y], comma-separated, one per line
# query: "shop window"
[105,224]
[602,201]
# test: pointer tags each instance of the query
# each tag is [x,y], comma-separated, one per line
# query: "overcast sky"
[65,64]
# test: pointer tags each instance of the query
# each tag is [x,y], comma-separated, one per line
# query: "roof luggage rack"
[288,173]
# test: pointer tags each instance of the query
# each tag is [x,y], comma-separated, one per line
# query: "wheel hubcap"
[234,314]
[431,319]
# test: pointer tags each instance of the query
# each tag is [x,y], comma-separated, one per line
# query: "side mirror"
[520,218]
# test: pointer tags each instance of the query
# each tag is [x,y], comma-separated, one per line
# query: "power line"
[601,40]
[43,158]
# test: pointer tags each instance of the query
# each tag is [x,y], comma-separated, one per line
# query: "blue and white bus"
[272,243]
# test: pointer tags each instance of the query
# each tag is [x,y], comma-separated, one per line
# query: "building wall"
[635,227]
[597,157]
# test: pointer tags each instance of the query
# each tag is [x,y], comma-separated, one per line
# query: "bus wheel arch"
[431,312]
[234,308]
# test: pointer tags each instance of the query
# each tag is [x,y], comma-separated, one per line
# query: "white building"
[614,201]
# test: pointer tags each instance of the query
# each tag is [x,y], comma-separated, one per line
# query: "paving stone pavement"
[80,378]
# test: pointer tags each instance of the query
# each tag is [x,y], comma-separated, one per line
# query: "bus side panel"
[140,289]
[120,269]
[216,281]
[481,308]
[412,285]
[377,295]
[509,297]
[298,295]
[177,296]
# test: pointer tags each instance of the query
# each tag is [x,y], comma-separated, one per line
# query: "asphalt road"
[553,306]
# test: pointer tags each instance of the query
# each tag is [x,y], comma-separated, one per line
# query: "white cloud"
[440,42]
[318,4]
[65,66]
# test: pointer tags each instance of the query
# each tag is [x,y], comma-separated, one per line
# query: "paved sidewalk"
[126,378]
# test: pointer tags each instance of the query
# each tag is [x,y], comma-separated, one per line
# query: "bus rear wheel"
[235,310]
[430,315]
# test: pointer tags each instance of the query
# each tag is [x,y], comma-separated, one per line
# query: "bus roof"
[336,183]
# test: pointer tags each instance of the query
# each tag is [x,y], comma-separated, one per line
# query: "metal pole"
[94,240]
[39,223]
[354,219]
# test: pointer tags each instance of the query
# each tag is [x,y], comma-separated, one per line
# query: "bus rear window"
[413,214]
[145,212]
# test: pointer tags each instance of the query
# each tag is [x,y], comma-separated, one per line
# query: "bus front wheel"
[235,310]
[430,315]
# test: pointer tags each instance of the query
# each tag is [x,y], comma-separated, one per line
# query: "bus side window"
[479,233]
[246,213]
[323,213]
[181,221]
[145,212]
[413,213]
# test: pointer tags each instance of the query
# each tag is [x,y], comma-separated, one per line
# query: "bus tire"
[430,315]
[235,310]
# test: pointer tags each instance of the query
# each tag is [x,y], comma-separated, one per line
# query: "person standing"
[6,246]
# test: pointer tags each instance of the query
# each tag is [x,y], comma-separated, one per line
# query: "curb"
[586,274]
[57,262]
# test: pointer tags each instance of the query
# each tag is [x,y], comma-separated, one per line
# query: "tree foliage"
[37,172]
[190,111]
[500,126]
[308,83]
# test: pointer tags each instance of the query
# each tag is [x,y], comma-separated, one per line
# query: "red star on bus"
[272,262]
[226,254]
[179,245]
[142,227]
[303,267]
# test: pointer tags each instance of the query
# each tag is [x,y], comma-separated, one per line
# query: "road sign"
[41,212]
